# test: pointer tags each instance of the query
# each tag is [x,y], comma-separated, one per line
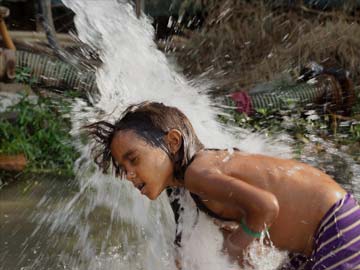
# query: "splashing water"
[334,162]
[114,226]
[107,224]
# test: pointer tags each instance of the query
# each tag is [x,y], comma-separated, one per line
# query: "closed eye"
[134,160]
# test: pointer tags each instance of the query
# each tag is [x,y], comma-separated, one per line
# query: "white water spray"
[114,226]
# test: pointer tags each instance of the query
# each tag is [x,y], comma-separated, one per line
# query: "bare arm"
[259,207]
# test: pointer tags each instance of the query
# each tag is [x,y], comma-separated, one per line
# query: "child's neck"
[175,182]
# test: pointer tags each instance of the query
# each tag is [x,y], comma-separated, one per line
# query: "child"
[304,211]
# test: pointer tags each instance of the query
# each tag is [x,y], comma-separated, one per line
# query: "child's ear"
[174,140]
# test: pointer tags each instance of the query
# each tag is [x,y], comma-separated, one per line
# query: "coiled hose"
[55,73]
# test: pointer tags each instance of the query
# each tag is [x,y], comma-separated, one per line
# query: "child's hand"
[226,226]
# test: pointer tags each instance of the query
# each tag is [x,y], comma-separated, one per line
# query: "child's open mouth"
[140,186]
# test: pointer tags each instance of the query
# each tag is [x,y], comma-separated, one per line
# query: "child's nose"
[131,175]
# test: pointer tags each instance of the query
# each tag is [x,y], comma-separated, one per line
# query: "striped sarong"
[337,240]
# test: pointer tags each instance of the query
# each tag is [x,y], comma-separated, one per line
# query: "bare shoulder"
[206,161]
[203,168]
[210,163]
[199,166]
[255,169]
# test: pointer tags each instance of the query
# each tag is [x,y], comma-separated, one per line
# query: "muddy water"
[20,203]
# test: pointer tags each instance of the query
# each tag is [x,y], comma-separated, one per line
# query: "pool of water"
[19,206]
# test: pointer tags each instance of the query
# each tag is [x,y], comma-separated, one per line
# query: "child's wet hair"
[151,121]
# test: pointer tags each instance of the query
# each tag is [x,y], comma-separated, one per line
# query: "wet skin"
[302,194]
[149,169]
[288,196]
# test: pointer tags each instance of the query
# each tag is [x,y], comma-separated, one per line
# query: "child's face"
[148,168]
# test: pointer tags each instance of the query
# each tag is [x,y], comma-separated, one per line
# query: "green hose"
[300,94]
[55,73]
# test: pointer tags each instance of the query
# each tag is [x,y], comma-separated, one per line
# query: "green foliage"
[41,133]
[23,75]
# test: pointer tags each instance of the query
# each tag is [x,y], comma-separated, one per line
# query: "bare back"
[304,193]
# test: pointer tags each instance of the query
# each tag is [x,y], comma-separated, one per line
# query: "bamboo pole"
[4,12]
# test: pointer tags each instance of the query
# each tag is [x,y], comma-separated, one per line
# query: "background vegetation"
[246,45]
[39,129]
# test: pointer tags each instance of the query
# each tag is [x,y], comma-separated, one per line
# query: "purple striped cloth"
[337,240]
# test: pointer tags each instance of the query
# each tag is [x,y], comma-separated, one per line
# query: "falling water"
[114,226]
[105,223]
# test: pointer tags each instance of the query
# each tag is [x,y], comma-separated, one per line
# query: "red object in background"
[243,102]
